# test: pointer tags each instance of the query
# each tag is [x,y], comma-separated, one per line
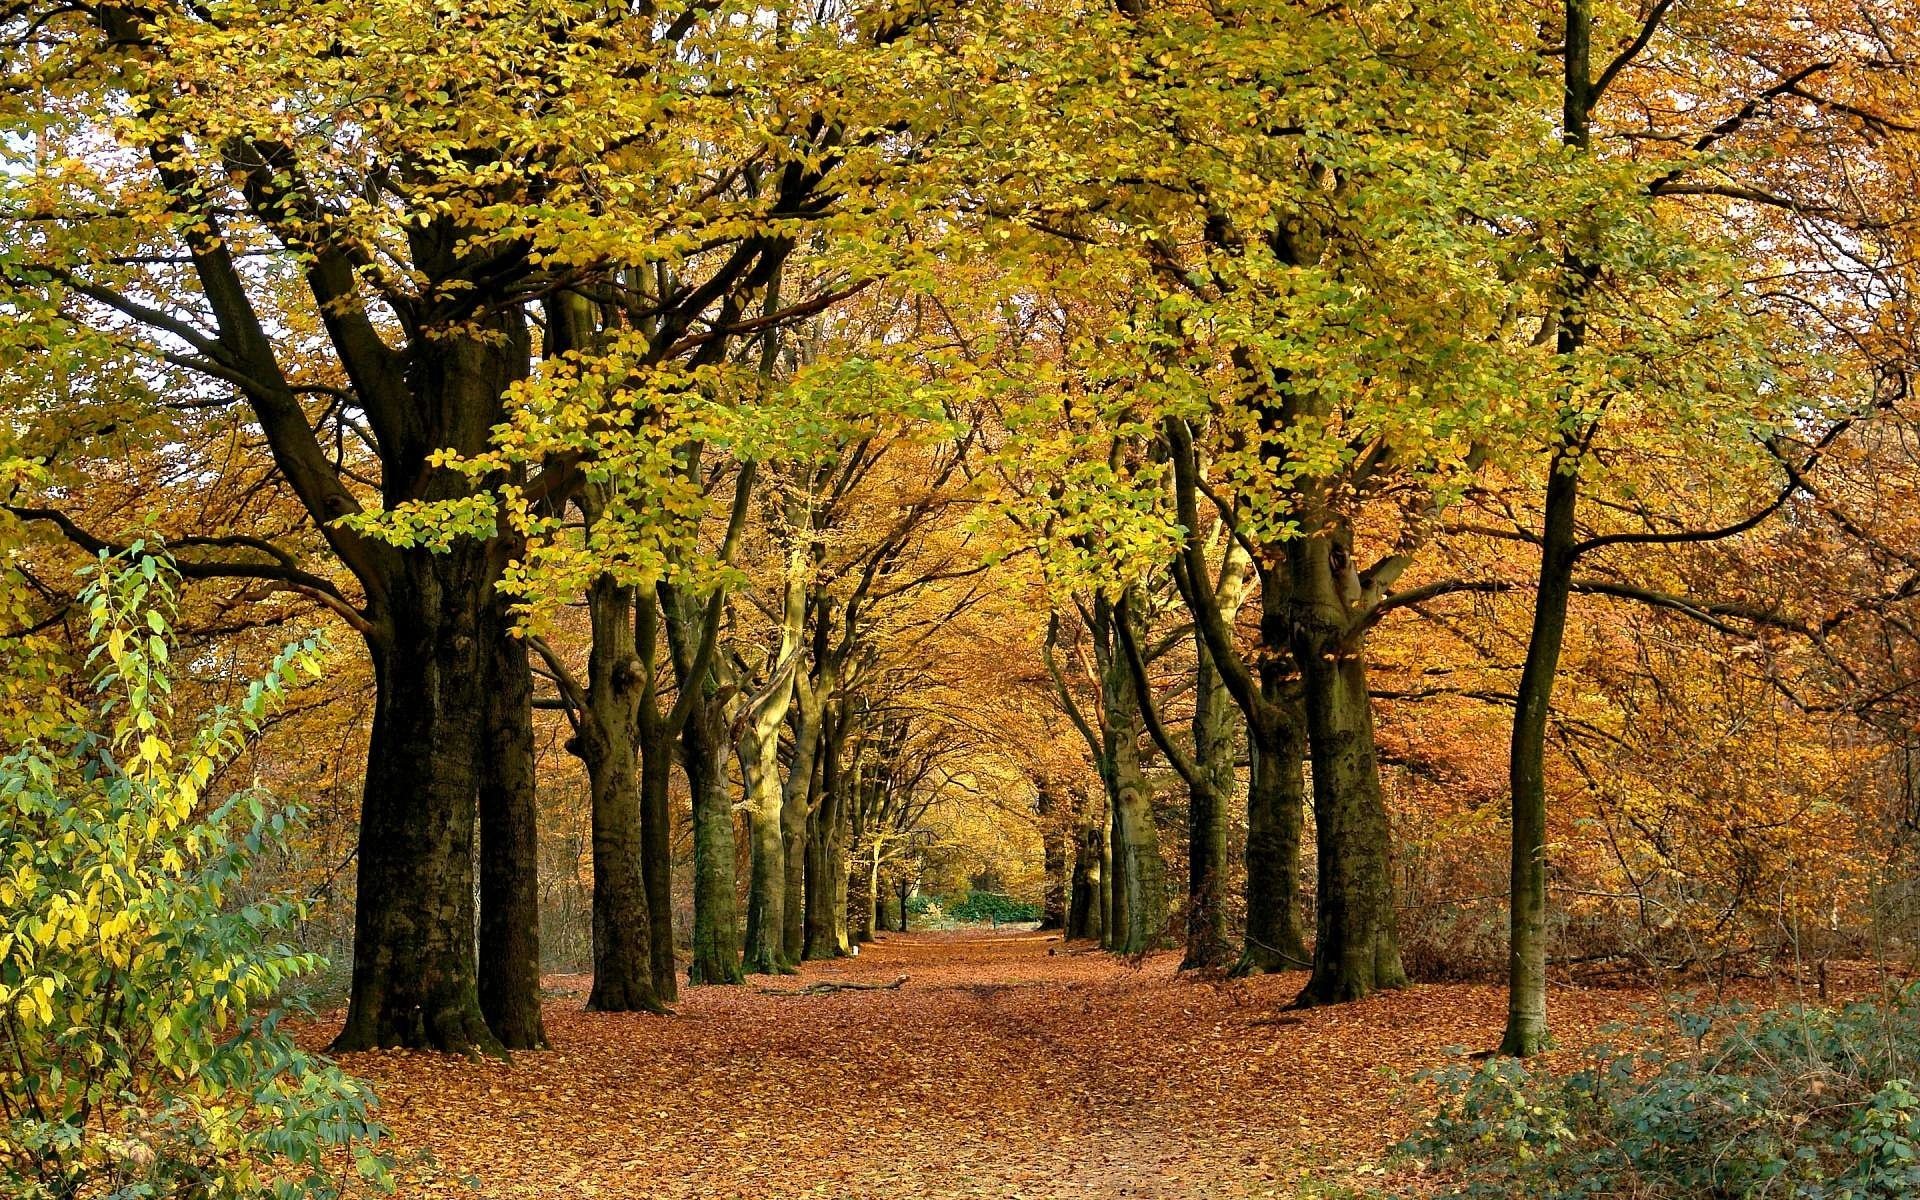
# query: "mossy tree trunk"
[1268,701]
[763,795]
[1139,875]
[509,982]
[606,741]
[414,963]
[1276,795]
[1356,947]
[826,853]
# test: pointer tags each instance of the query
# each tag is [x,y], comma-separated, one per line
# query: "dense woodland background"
[1399,492]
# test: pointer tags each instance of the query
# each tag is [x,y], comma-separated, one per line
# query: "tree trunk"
[1083,904]
[1526,1032]
[716,928]
[860,895]
[1276,803]
[1053,854]
[622,959]
[656,860]
[767,883]
[509,983]
[826,860]
[414,962]
[1356,950]
[654,736]
[797,799]
[766,803]
[1138,911]
[1104,891]
[1215,734]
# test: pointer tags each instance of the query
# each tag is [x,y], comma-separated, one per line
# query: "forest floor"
[1009,1065]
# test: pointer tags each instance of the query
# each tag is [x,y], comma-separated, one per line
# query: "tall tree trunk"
[654,734]
[509,983]
[716,921]
[826,851]
[622,959]
[1053,854]
[414,961]
[759,753]
[1138,912]
[1083,903]
[1276,795]
[1356,950]
[1526,1032]
[1105,875]
[1215,736]
[656,861]
[860,880]
[797,798]
[826,857]
[842,884]
[767,883]
[1276,803]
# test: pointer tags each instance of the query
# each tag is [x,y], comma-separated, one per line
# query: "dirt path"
[1005,1067]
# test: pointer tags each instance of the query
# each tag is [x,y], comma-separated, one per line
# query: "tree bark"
[1053,853]
[414,962]
[509,983]
[826,851]
[622,959]
[765,805]
[1083,903]
[797,799]
[1356,950]
[1215,734]
[1276,803]
[1276,797]
[716,928]
[1526,1033]
[656,861]
[1138,909]
[1104,911]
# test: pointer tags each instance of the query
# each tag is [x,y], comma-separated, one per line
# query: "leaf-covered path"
[1007,1066]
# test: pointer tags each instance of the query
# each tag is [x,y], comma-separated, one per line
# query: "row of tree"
[698,373]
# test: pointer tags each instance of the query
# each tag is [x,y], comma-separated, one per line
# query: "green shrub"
[1722,1104]
[995,907]
[142,1052]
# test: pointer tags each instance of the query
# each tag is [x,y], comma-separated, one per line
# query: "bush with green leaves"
[1725,1103]
[996,907]
[142,1048]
